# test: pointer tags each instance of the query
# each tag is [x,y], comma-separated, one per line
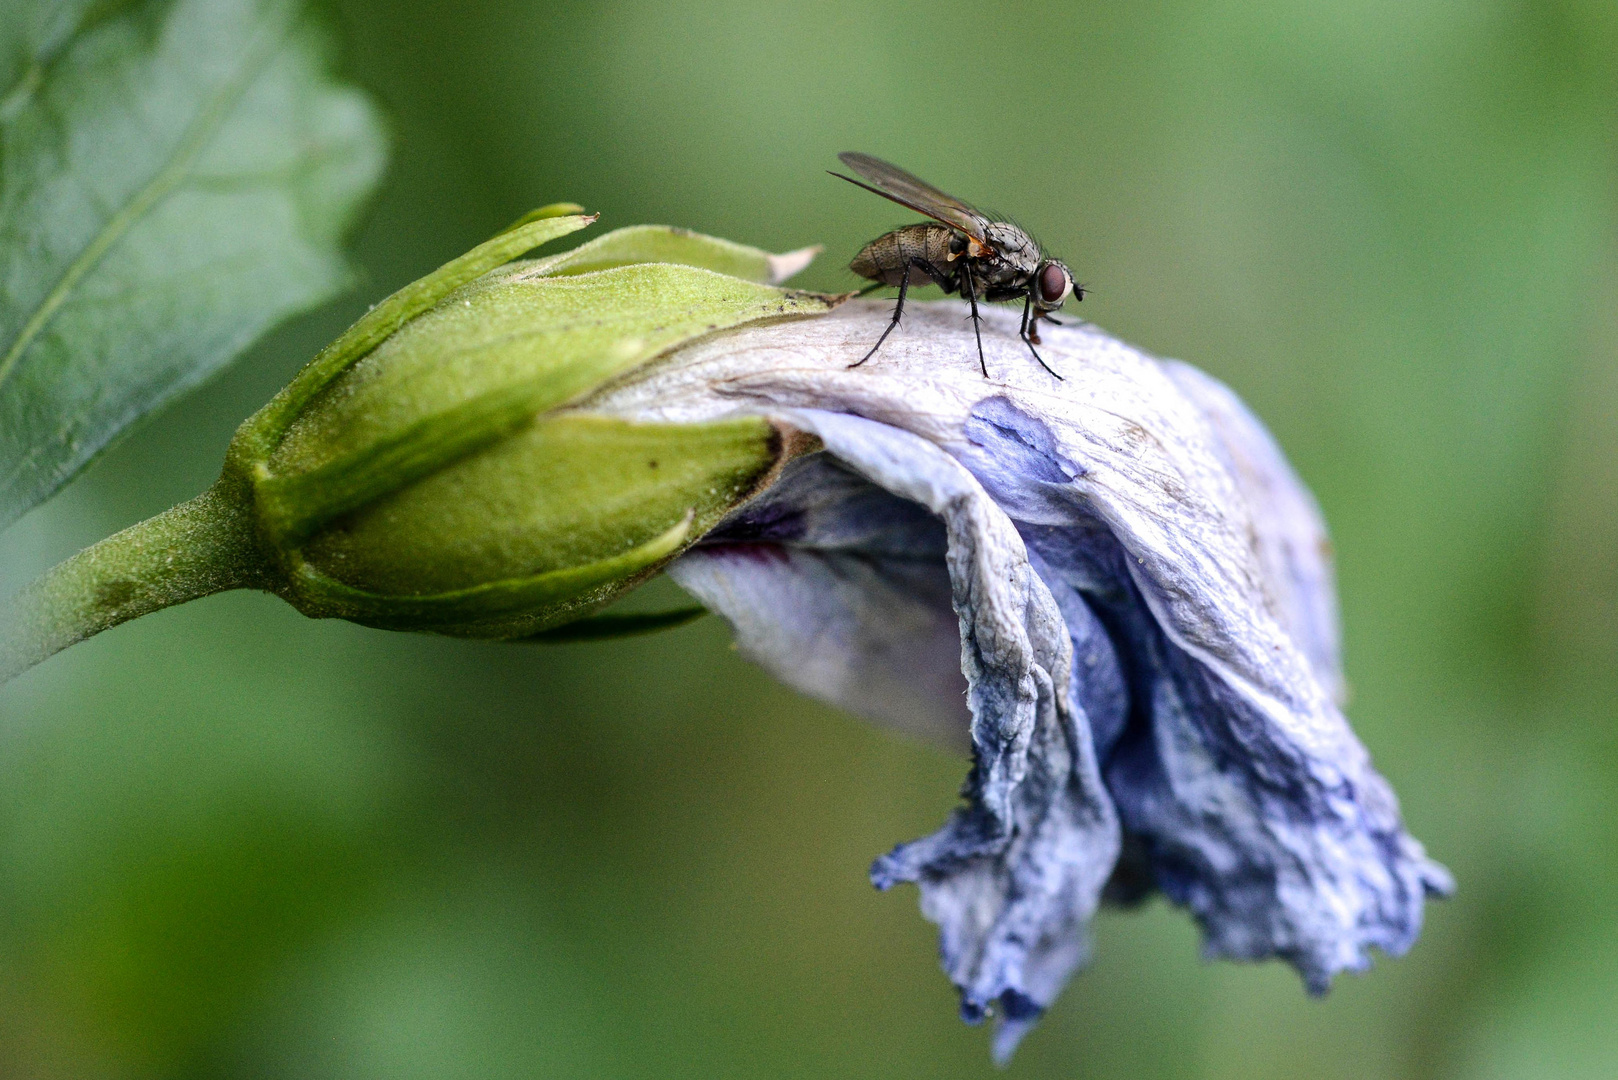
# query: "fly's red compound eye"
[1053,283]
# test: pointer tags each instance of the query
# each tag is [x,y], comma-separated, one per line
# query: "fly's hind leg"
[1030,334]
[898,308]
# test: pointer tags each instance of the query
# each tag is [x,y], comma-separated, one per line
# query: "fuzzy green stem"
[200,547]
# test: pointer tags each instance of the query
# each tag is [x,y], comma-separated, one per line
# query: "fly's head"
[1053,283]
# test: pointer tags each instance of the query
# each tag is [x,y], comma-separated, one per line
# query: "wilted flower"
[1139,593]
[1111,586]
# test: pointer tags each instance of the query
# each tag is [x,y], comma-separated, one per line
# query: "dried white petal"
[839,589]
[790,263]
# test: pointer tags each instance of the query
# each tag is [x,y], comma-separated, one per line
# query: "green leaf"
[30,34]
[175,178]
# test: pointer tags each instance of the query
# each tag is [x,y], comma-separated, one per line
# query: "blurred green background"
[237,843]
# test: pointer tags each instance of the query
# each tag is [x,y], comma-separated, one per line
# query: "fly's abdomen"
[889,257]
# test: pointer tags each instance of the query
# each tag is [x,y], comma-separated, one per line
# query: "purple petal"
[1015,875]
[1289,534]
[1142,585]
[1257,807]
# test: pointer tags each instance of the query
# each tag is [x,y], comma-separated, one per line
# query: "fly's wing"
[907,189]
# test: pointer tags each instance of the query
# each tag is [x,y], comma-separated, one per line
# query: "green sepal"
[482,610]
[258,436]
[668,244]
[553,210]
[612,627]
[564,493]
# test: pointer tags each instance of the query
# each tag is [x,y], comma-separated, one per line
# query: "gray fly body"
[961,250]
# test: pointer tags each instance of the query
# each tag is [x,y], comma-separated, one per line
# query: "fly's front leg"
[1059,322]
[972,298]
[1030,333]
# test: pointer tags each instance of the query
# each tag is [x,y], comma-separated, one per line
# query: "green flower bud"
[433,482]
[425,471]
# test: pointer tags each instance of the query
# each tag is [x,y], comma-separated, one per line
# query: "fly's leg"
[972,298]
[1029,331]
[1030,334]
[898,310]
[1059,322]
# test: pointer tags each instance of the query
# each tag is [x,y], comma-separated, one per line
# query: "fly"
[960,250]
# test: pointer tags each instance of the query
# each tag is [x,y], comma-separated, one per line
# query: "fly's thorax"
[1015,250]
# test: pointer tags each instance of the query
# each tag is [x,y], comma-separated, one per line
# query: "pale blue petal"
[1255,804]
[1144,593]
[1015,875]
[1289,533]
